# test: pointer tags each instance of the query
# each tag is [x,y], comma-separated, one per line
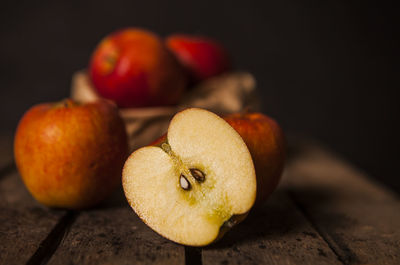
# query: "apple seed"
[185,184]
[198,174]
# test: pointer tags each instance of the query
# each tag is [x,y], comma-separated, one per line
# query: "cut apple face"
[194,185]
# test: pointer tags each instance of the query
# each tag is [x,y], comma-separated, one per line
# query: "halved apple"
[196,184]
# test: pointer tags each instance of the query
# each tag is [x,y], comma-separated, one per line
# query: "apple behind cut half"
[196,184]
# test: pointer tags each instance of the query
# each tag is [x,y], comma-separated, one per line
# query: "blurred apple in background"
[266,142]
[134,68]
[71,155]
[202,57]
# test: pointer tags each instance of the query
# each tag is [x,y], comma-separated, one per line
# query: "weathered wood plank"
[24,223]
[276,234]
[359,218]
[114,234]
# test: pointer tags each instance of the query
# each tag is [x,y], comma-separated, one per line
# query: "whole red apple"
[134,68]
[71,155]
[202,57]
[266,143]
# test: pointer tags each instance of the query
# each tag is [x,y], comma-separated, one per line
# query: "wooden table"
[324,212]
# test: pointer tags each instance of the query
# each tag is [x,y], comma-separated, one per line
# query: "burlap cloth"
[228,93]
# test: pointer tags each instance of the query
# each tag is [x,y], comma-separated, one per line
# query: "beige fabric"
[228,93]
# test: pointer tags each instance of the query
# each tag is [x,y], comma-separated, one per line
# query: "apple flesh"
[71,155]
[134,68]
[202,57]
[266,143]
[196,183]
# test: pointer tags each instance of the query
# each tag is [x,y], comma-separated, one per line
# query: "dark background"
[325,69]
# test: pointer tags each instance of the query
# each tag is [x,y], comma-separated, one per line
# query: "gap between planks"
[358,218]
[50,244]
[193,256]
[344,259]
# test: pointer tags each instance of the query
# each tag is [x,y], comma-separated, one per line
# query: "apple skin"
[134,68]
[266,142]
[71,155]
[202,57]
[159,141]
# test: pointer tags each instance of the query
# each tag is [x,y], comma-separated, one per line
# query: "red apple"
[71,155]
[196,183]
[266,143]
[202,57]
[134,68]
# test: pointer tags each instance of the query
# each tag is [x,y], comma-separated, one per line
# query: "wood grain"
[24,223]
[276,234]
[324,212]
[114,234]
[359,218]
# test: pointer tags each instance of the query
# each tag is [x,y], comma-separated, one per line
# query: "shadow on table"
[116,200]
[280,217]
[277,218]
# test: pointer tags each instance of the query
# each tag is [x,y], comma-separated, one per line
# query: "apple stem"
[67,103]
[246,110]
[166,147]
